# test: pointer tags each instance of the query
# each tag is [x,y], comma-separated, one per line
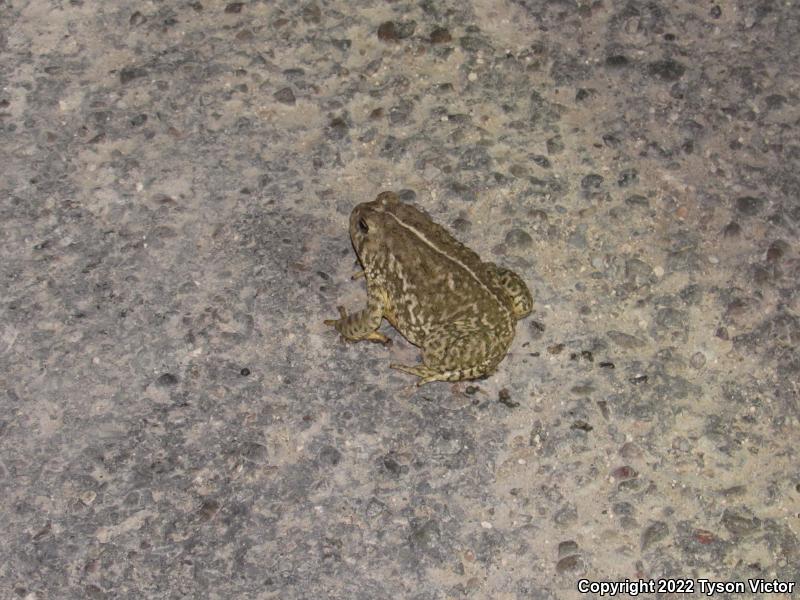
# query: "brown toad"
[434,290]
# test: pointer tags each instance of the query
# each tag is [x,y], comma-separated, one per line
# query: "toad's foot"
[427,375]
[339,325]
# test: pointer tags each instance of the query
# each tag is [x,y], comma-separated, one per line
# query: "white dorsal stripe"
[433,246]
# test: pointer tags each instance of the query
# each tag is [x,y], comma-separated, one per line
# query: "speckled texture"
[177,422]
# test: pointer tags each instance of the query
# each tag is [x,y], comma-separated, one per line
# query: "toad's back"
[429,278]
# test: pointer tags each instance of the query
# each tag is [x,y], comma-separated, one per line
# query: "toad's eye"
[362,225]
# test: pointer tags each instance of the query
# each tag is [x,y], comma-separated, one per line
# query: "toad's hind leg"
[451,357]
[429,374]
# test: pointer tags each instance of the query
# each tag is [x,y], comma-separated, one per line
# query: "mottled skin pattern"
[433,290]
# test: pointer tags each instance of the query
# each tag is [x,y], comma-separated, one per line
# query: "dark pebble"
[407,195]
[474,159]
[338,128]
[375,508]
[637,271]
[715,12]
[637,379]
[92,591]
[623,509]
[471,390]
[312,14]
[254,452]
[669,317]
[344,44]
[736,306]
[400,113]
[234,7]
[504,397]
[43,532]
[739,525]
[734,491]
[392,466]
[518,170]
[207,511]
[654,534]
[390,31]
[329,456]
[617,61]
[630,450]
[569,564]
[637,200]
[443,88]
[137,19]
[285,96]
[761,275]
[537,329]
[138,120]
[691,294]
[540,160]
[607,365]
[749,205]
[610,140]
[698,360]
[425,535]
[244,372]
[776,250]
[722,333]
[167,379]
[567,515]
[474,43]
[293,73]
[582,94]
[732,229]
[387,32]
[555,145]
[518,238]
[581,389]
[440,35]
[568,548]
[591,181]
[666,70]
[627,177]
[578,239]
[624,340]
[702,536]
[128,74]
[624,472]
[774,101]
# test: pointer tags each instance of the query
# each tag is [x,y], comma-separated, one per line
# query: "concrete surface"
[177,422]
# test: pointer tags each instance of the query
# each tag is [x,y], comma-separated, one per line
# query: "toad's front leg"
[362,325]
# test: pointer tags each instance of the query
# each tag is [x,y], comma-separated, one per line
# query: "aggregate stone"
[285,96]
[666,70]
[749,205]
[177,421]
[654,533]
